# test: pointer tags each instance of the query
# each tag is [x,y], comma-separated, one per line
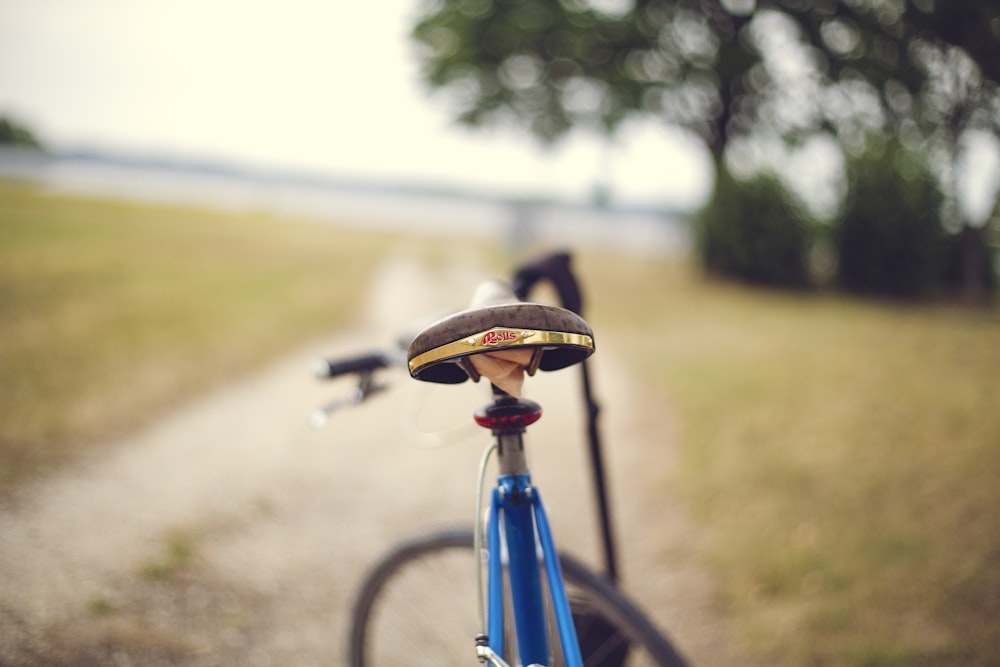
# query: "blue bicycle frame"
[518,526]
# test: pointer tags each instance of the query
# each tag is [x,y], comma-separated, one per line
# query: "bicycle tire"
[404,613]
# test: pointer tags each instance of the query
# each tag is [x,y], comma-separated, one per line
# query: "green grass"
[179,553]
[112,312]
[841,456]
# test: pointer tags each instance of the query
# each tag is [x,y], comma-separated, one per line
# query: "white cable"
[477,536]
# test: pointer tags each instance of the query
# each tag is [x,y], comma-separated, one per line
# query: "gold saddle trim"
[499,338]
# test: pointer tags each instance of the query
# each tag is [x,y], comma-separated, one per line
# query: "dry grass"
[841,456]
[113,312]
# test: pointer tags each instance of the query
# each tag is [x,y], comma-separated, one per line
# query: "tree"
[14,134]
[922,70]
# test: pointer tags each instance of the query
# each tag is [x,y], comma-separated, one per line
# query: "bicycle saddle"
[497,321]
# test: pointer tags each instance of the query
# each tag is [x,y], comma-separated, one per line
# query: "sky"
[326,86]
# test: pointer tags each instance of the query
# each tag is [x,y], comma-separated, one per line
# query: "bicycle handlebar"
[359,364]
[363,366]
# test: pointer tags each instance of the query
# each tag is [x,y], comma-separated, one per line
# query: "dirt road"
[233,534]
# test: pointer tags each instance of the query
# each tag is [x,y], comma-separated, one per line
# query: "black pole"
[556,268]
[600,486]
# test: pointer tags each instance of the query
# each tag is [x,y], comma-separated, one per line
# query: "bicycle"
[537,606]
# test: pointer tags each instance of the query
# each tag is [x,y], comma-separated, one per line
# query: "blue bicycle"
[536,606]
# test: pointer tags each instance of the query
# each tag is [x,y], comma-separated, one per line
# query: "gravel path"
[233,534]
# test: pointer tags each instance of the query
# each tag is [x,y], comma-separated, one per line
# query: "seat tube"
[524,569]
[512,522]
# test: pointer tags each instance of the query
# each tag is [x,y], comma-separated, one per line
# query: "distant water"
[352,203]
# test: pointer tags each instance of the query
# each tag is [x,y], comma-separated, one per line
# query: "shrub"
[753,231]
[890,241]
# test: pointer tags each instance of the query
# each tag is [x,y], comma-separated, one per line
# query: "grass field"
[840,456]
[113,312]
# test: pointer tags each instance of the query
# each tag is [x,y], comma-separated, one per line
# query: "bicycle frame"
[519,527]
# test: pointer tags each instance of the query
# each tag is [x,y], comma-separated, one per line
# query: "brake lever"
[365,389]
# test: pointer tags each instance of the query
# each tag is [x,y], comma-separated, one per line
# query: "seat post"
[508,417]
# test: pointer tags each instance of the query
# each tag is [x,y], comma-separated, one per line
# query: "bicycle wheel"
[417,606]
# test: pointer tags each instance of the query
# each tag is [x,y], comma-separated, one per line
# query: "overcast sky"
[307,84]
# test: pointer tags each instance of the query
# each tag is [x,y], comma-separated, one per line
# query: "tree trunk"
[971,251]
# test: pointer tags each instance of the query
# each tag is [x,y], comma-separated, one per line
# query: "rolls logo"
[499,337]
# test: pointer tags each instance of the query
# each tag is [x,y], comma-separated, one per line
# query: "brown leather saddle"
[497,321]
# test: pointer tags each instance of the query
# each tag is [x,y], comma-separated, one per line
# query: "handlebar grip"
[362,363]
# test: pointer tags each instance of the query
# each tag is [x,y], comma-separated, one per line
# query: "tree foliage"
[717,67]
